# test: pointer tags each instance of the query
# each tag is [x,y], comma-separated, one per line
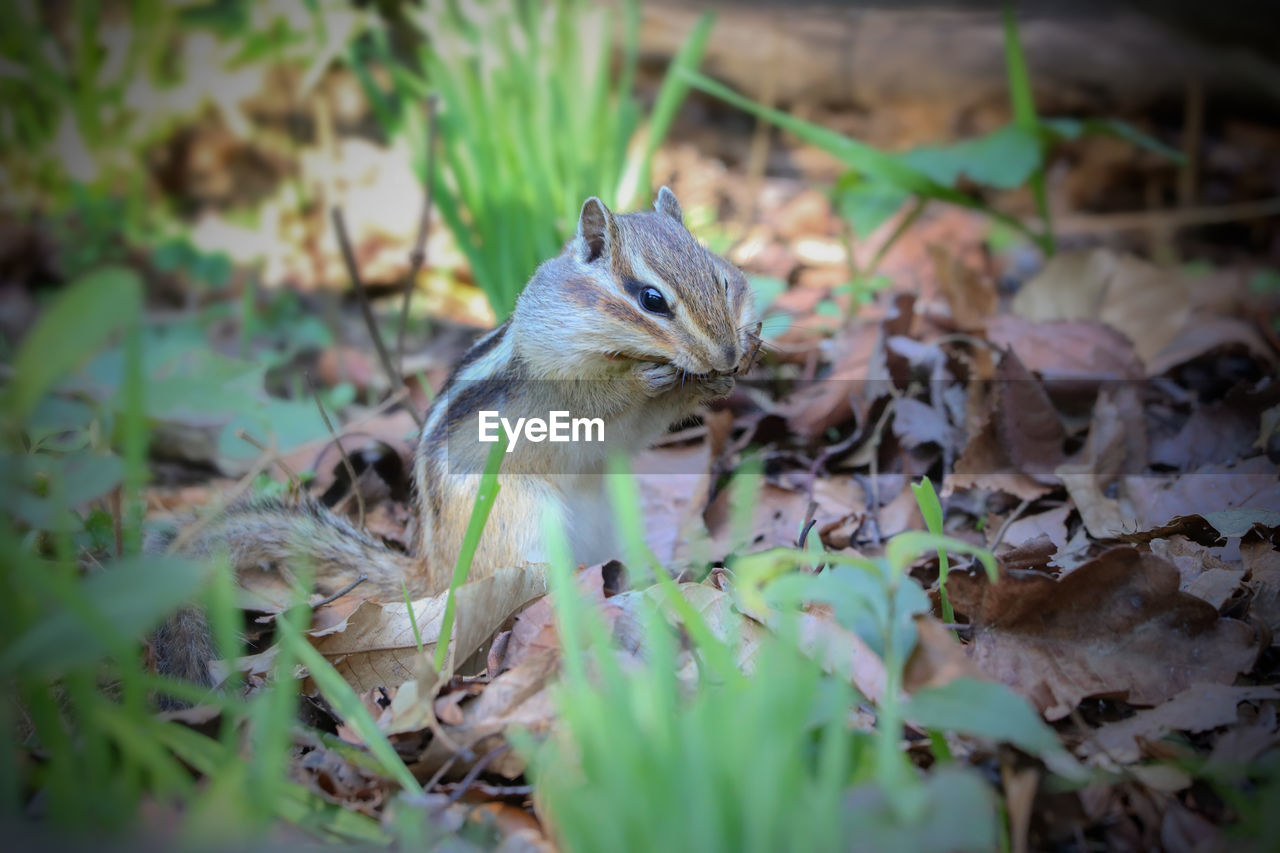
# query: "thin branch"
[346,461]
[475,772]
[1088,223]
[346,589]
[418,257]
[349,258]
[1008,522]
[294,480]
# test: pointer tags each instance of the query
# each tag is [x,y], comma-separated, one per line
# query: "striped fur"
[577,341]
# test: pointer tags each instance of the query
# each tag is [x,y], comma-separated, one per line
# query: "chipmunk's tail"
[296,539]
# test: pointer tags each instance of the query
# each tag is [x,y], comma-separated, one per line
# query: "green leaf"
[79,322]
[931,511]
[1004,159]
[953,810]
[867,204]
[862,158]
[131,596]
[985,709]
[1074,128]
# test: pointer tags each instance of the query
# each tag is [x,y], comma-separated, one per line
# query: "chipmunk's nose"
[728,360]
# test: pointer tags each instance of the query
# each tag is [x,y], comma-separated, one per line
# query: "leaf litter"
[1130,501]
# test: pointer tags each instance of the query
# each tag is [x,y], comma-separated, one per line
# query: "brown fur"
[577,341]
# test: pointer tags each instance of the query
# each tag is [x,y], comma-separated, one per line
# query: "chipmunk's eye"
[652,300]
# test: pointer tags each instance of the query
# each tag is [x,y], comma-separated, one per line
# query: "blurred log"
[1090,57]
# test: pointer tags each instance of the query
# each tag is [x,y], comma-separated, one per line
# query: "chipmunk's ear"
[596,231]
[666,203]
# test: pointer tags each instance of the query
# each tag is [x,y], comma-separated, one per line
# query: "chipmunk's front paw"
[716,386]
[656,379]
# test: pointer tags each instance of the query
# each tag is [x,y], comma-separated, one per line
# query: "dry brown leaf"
[1116,444]
[970,293]
[518,697]
[378,649]
[1190,558]
[837,397]
[1250,484]
[1149,305]
[675,484]
[1216,586]
[1262,561]
[1116,626]
[1019,439]
[1206,335]
[1051,524]
[1079,350]
[1214,434]
[916,423]
[1198,708]
[937,659]
[534,630]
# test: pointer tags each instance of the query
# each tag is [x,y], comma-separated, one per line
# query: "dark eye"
[652,300]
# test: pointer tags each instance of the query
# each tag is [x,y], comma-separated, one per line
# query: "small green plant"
[80,594]
[537,112]
[931,510]
[878,184]
[721,760]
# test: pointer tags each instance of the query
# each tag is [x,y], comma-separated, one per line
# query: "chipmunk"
[634,323]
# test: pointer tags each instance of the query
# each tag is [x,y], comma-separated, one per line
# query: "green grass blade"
[348,705]
[931,509]
[1022,100]
[485,496]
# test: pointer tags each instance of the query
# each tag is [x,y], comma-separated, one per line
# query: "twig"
[1008,522]
[418,257]
[346,589]
[346,461]
[876,435]
[349,258]
[1183,218]
[475,771]
[294,479]
[808,525]
[1192,135]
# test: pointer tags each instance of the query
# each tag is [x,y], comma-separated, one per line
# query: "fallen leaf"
[1019,441]
[1068,350]
[1116,626]
[916,423]
[518,697]
[838,397]
[534,629]
[1147,304]
[1262,562]
[1212,528]
[970,293]
[1250,484]
[674,484]
[1116,444]
[1051,524]
[1207,335]
[1216,586]
[1198,708]
[378,648]
[1216,433]
[1190,558]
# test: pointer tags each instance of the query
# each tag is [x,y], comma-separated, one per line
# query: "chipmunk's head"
[639,286]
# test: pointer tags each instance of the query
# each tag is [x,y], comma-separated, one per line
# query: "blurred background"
[217,214]
[207,144]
